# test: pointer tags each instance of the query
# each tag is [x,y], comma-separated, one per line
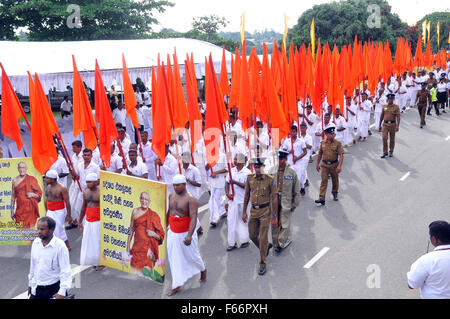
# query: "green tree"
[8,21]
[339,22]
[434,18]
[209,25]
[53,20]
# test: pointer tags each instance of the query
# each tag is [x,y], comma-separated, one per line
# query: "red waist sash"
[56,205]
[179,224]
[93,214]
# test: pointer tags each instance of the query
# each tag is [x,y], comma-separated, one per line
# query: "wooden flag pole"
[228,163]
[66,156]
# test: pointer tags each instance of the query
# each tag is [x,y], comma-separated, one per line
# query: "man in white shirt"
[136,168]
[167,171]
[116,162]
[138,95]
[237,228]
[403,93]
[298,152]
[124,141]
[365,107]
[319,131]
[379,102]
[192,174]
[50,275]
[351,121]
[216,177]
[66,107]
[311,119]
[120,114]
[60,166]
[341,126]
[74,189]
[431,272]
[149,156]
[307,139]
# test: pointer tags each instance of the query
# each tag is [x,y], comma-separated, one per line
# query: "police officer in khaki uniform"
[260,191]
[288,191]
[423,97]
[390,114]
[331,156]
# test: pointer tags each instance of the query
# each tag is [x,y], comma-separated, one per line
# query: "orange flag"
[214,117]
[11,111]
[83,119]
[245,102]
[180,111]
[418,56]
[43,151]
[428,59]
[235,80]
[161,121]
[275,67]
[271,103]
[317,94]
[108,131]
[195,117]
[128,95]
[224,86]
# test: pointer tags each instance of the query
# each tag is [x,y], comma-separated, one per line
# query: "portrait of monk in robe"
[148,234]
[27,194]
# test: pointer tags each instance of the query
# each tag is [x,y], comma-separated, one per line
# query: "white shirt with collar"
[241,177]
[116,163]
[120,116]
[298,145]
[169,169]
[219,180]
[431,274]
[83,172]
[139,170]
[340,123]
[364,114]
[60,166]
[50,264]
[192,173]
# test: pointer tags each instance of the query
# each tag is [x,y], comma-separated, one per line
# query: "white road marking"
[405,176]
[203,208]
[316,258]
[75,271]
[448,138]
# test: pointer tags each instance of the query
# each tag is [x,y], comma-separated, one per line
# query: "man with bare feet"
[90,245]
[182,241]
[58,204]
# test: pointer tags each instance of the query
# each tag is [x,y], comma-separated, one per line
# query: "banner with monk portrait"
[133,225]
[21,201]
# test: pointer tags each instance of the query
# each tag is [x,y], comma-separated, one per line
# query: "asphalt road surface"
[359,247]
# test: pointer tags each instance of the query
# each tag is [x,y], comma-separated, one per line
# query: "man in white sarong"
[74,189]
[350,108]
[58,205]
[365,107]
[182,240]
[237,228]
[216,176]
[90,244]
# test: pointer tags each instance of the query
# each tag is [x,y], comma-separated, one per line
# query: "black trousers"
[46,292]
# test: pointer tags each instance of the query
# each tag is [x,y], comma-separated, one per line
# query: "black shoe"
[213,225]
[71,226]
[384,155]
[320,201]
[302,192]
[262,271]
[421,126]
[278,249]
[370,132]
[335,197]
[307,183]
[444,112]
[268,249]
[391,155]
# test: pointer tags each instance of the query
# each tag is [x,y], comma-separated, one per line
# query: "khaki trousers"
[388,132]
[258,229]
[329,170]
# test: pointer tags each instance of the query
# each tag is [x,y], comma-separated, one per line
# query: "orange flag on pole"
[245,102]
[224,85]
[108,131]
[195,117]
[271,103]
[128,95]
[83,119]
[214,117]
[11,111]
[180,111]
[43,151]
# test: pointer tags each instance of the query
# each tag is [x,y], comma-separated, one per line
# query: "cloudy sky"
[269,14]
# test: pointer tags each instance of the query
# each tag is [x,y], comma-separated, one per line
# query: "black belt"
[47,286]
[260,206]
[330,163]
[389,122]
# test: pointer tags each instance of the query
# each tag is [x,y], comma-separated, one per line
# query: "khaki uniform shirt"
[423,96]
[390,113]
[330,151]
[289,188]
[260,189]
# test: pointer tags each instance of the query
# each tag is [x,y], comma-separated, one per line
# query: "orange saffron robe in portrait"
[27,210]
[142,242]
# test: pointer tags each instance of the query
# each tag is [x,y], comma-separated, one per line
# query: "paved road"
[369,238]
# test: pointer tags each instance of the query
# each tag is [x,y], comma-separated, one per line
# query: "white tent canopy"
[52,61]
